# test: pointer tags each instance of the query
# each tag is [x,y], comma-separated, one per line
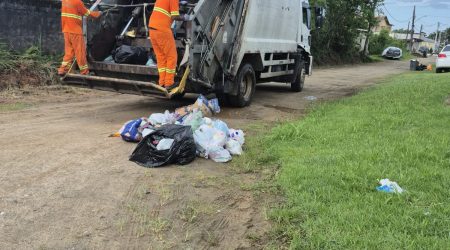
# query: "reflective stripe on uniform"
[87,13]
[71,16]
[171,71]
[161,10]
[83,67]
[175,13]
[161,70]
[65,63]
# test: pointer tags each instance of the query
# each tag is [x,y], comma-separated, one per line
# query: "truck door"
[304,34]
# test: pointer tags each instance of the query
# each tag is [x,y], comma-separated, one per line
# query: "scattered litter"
[165,144]
[207,107]
[146,131]
[160,142]
[219,154]
[388,186]
[180,151]
[129,132]
[311,98]
[162,119]
[2,213]
[234,147]
[194,120]
[237,135]
[222,126]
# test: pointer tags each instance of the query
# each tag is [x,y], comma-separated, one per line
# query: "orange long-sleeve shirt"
[164,10]
[72,12]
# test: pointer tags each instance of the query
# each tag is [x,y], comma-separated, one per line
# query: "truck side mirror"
[319,17]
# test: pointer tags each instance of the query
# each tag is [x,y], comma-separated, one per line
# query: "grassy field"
[329,164]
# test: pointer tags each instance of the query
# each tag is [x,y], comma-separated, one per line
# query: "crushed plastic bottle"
[388,186]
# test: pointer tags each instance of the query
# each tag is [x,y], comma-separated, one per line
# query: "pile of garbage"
[178,137]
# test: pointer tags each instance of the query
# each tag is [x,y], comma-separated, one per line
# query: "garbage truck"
[226,48]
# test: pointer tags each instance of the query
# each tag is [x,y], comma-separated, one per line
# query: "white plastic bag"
[222,126]
[219,154]
[209,139]
[165,144]
[146,132]
[157,119]
[161,119]
[237,135]
[194,120]
[234,147]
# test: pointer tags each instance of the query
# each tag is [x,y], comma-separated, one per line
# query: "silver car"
[443,60]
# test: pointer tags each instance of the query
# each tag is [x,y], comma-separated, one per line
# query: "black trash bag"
[182,152]
[130,55]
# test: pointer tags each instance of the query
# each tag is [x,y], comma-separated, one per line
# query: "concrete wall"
[24,23]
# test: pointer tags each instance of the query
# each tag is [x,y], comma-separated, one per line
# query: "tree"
[432,35]
[337,40]
[401,31]
[371,19]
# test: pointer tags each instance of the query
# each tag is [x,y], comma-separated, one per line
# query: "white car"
[443,60]
[392,52]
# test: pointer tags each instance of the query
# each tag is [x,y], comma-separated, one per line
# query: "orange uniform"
[72,12]
[163,41]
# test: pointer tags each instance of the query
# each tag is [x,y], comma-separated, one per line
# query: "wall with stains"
[24,23]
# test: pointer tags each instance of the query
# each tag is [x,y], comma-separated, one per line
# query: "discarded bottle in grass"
[388,186]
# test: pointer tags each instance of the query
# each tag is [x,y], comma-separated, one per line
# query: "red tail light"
[442,56]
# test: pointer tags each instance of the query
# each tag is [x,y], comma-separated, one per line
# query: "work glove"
[188,18]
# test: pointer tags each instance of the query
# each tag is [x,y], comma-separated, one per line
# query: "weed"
[211,238]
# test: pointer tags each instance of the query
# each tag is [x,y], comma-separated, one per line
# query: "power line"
[395,19]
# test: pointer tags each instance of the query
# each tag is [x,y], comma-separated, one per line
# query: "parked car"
[443,60]
[392,53]
[424,51]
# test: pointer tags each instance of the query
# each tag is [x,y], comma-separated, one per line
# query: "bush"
[29,67]
[379,42]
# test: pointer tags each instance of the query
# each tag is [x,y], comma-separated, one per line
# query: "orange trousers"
[163,44]
[74,47]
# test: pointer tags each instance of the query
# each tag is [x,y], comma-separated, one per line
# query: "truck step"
[123,86]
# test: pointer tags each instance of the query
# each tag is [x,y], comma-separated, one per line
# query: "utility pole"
[407,31]
[420,33]
[412,29]
[439,42]
[436,46]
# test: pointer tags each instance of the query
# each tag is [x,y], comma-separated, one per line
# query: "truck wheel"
[246,83]
[439,71]
[299,83]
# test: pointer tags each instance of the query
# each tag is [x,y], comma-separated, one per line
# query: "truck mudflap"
[124,86]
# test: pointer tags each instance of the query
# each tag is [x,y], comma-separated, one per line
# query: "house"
[419,40]
[383,24]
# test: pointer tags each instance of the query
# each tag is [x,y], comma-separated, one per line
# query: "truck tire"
[246,84]
[299,83]
[439,71]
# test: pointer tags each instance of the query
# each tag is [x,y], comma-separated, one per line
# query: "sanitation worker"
[163,41]
[72,12]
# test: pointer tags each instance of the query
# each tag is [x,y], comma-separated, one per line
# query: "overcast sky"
[428,13]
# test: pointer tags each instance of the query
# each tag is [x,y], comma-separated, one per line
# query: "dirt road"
[64,184]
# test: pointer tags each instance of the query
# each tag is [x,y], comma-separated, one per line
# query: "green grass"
[330,163]
[31,62]
[5,107]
